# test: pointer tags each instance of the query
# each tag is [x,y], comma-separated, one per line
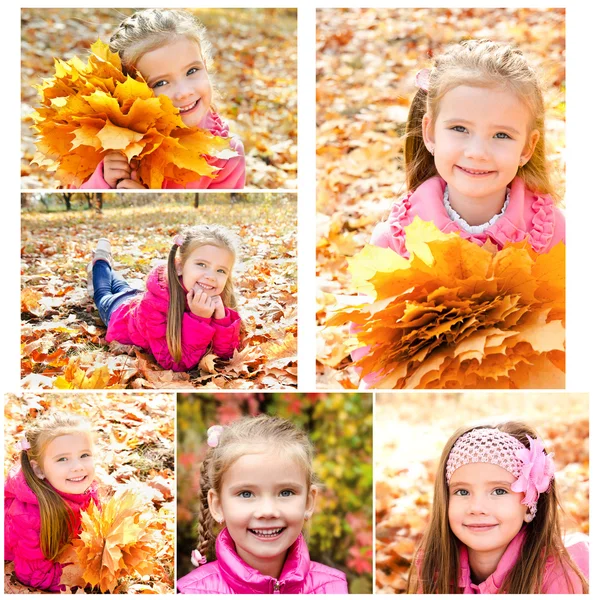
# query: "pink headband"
[533,469]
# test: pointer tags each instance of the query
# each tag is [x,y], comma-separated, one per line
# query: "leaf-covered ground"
[409,435]
[367,60]
[134,451]
[63,338]
[254,73]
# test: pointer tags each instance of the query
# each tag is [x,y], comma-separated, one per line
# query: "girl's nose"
[476,148]
[477,505]
[267,509]
[181,91]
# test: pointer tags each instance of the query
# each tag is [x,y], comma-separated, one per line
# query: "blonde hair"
[477,63]
[194,237]
[435,567]
[57,518]
[237,440]
[152,28]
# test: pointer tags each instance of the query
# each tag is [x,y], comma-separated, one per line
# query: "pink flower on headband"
[178,240]
[197,558]
[422,79]
[214,433]
[25,445]
[537,471]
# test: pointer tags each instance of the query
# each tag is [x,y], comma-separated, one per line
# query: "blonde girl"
[189,304]
[475,154]
[170,50]
[495,524]
[44,495]
[257,490]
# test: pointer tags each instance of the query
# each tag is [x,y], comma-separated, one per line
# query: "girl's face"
[483,512]
[68,463]
[263,501]
[178,71]
[479,138]
[208,268]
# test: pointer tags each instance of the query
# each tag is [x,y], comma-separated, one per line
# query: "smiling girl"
[257,486]
[170,50]
[475,155]
[45,494]
[495,524]
[188,306]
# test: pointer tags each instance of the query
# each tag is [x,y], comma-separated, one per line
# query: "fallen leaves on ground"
[367,59]
[254,73]
[63,339]
[128,546]
[457,315]
[410,433]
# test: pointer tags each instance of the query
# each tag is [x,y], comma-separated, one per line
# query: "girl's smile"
[178,71]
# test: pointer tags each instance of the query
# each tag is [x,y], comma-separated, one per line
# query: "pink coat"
[528,216]
[554,581]
[229,574]
[142,321]
[230,177]
[22,527]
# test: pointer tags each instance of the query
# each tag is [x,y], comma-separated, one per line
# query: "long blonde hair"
[477,63]
[235,441]
[194,237]
[57,518]
[436,564]
[152,28]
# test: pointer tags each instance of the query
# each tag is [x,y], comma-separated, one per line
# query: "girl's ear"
[530,146]
[37,469]
[528,516]
[428,134]
[311,501]
[214,505]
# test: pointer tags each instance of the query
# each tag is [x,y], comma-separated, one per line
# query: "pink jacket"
[527,216]
[143,322]
[22,527]
[554,581]
[229,574]
[230,177]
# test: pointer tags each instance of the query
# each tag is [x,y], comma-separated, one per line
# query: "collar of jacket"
[492,584]
[243,579]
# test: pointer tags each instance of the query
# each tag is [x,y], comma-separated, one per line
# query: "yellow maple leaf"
[88,109]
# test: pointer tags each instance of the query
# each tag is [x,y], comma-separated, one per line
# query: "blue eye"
[500,492]
[287,493]
[503,135]
[461,493]
[459,129]
[85,454]
[62,459]
[159,84]
[245,494]
[192,71]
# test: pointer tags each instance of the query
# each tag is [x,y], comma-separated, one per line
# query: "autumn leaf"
[457,315]
[119,539]
[89,109]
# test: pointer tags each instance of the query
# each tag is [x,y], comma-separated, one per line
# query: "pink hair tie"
[197,559]
[178,240]
[422,79]
[214,434]
[24,443]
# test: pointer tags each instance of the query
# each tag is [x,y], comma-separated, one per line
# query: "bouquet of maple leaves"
[89,109]
[119,540]
[457,315]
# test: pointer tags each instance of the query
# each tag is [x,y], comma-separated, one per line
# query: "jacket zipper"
[276,587]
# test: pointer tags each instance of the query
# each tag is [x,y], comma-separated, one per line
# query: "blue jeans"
[111,290]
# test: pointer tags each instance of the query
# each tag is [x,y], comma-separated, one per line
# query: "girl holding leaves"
[257,486]
[170,50]
[188,306]
[45,494]
[495,523]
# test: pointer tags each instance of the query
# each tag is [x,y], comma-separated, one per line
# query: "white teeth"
[77,479]
[267,532]
[187,107]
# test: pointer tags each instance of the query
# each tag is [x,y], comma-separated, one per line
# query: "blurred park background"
[340,428]
[410,432]
[254,74]
[367,60]
[62,336]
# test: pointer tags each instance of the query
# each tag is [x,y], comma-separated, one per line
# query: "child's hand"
[115,167]
[219,311]
[200,303]
[133,182]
